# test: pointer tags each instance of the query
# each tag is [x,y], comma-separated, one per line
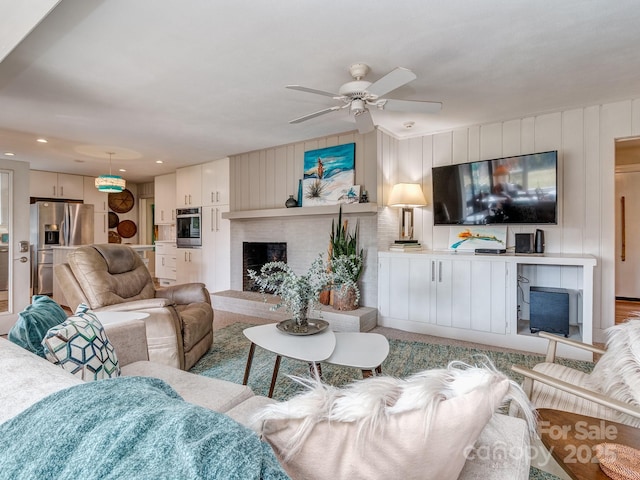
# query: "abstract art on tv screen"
[329,174]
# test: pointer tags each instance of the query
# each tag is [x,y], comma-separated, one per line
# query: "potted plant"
[297,292]
[345,264]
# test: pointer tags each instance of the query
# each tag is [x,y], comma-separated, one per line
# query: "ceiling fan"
[359,95]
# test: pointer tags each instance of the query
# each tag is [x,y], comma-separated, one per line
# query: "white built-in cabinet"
[461,293]
[481,298]
[189,186]
[165,196]
[215,182]
[189,265]
[56,185]
[100,202]
[166,256]
[216,242]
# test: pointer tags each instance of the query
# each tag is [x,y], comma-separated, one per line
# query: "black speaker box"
[524,243]
[539,241]
[549,310]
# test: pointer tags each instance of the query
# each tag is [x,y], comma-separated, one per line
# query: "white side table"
[308,348]
[362,350]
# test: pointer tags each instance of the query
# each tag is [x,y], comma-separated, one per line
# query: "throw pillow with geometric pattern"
[81,346]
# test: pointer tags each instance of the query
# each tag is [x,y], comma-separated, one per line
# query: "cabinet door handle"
[217,196]
[54,190]
[62,191]
[217,221]
[104,223]
[163,261]
[185,200]
[433,270]
[440,272]
[162,215]
[212,228]
[189,257]
[211,197]
[189,199]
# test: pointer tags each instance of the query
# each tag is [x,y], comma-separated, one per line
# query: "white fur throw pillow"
[382,427]
[617,373]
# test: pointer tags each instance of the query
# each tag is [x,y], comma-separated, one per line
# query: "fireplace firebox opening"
[255,255]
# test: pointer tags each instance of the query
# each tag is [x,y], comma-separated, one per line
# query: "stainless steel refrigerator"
[56,224]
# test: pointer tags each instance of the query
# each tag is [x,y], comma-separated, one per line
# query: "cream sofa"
[502,451]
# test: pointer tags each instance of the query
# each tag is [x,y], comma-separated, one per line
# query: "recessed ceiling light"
[9,154]
[42,140]
[121,170]
[159,161]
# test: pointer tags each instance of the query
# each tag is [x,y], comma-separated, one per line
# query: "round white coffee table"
[365,351]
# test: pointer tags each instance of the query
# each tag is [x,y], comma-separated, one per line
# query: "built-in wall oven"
[188,232]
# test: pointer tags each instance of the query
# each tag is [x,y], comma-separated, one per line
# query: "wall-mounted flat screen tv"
[510,190]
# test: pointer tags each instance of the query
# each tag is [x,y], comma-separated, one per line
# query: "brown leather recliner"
[113,277]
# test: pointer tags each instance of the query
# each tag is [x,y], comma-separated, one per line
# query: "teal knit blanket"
[130,428]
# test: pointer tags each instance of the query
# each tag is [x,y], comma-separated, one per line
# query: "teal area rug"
[228,356]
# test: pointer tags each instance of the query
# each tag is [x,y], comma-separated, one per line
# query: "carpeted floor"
[227,359]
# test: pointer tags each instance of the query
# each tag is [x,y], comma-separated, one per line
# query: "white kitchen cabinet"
[216,245]
[100,202]
[166,255]
[189,186]
[56,185]
[93,196]
[165,199]
[189,266]
[215,182]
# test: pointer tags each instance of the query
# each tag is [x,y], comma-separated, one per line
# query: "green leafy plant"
[342,243]
[297,292]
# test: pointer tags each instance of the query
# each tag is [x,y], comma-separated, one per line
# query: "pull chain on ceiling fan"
[359,95]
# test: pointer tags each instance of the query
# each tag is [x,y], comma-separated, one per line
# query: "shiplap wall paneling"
[548,136]
[615,122]
[572,165]
[425,235]
[491,141]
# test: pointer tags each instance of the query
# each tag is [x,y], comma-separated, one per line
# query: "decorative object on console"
[408,196]
[328,174]
[525,243]
[110,183]
[539,241]
[296,292]
[405,246]
[291,202]
[470,238]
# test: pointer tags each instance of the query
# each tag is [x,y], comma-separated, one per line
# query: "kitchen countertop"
[134,246]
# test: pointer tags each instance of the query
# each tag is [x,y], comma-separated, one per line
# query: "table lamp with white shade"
[408,196]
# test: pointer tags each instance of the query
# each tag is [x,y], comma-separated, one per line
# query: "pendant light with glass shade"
[110,183]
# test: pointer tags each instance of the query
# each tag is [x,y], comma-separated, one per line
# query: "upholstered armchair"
[113,277]
[610,392]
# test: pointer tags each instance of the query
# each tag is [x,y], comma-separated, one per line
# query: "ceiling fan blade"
[417,106]
[315,114]
[313,90]
[392,80]
[364,122]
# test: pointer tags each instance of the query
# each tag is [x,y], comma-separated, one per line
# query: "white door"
[14,222]
[627,233]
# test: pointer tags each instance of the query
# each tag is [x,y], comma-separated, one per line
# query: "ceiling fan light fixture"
[357,106]
[110,183]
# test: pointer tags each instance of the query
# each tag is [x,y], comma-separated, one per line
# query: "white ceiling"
[190,81]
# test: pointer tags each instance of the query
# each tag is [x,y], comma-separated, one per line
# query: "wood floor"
[626,309]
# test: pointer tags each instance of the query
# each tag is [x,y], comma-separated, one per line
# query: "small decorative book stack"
[405,246]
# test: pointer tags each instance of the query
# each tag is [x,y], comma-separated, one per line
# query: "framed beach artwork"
[329,174]
[469,238]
